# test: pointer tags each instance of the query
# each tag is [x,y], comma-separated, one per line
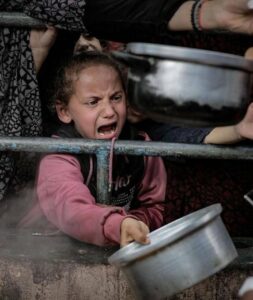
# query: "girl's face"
[98,105]
[88,43]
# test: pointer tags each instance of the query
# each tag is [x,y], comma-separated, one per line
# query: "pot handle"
[249,197]
[133,60]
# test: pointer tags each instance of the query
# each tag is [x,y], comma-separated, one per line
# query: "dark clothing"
[20,105]
[129,20]
[173,134]
[127,171]
[197,183]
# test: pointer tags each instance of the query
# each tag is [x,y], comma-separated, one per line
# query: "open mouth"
[107,129]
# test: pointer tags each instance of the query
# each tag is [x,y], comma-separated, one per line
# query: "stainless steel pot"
[180,255]
[184,85]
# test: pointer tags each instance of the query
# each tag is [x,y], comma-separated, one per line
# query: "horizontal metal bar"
[51,145]
[16,19]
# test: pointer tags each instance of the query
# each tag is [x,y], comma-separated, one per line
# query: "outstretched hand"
[41,41]
[133,230]
[245,128]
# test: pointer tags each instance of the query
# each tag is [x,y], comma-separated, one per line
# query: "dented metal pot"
[189,86]
[180,255]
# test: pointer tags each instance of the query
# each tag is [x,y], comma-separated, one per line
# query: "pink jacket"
[68,204]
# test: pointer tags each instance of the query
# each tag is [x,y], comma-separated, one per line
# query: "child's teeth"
[107,132]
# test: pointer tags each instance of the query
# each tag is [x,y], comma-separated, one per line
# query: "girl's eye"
[117,97]
[92,102]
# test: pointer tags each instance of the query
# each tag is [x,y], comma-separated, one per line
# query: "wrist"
[210,16]
[39,56]
[237,134]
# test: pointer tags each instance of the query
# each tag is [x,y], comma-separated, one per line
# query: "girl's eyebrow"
[92,98]
[118,92]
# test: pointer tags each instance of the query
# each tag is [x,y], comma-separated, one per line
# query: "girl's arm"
[68,204]
[234,133]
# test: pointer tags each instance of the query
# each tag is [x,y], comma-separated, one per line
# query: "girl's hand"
[133,230]
[41,41]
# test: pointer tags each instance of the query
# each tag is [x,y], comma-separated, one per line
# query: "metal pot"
[184,85]
[180,255]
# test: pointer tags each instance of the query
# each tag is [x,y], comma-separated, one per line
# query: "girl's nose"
[108,110]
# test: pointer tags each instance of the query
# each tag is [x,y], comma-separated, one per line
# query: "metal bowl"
[189,86]
[180,255]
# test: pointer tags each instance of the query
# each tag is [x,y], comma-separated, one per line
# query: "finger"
[51,32]
[249,53]
[140,235]
[125,240]
[251,106]
[250,4]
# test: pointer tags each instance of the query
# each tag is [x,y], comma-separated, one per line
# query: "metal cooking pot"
[180,255]
[189,86]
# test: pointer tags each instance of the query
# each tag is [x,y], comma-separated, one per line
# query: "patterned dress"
[20,105]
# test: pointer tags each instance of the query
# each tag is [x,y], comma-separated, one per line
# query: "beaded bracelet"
[195,15]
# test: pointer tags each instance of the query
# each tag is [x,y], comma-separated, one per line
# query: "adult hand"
[41,41]
[232,15]
[133,230]
[228,15]
[245,128]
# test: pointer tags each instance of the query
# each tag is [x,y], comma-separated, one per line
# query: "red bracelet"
[195,15]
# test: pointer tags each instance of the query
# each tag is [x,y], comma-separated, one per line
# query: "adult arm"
[235,16]
[234,133]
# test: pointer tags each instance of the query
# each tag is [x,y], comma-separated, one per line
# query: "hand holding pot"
[133,230]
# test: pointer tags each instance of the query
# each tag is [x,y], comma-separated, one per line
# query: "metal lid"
[166,235]
[191,55]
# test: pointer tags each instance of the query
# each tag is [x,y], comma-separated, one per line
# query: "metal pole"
[51,145]
[16,19]
[103,193]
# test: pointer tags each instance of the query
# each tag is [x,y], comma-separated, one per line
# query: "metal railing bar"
[17,19]
[51,145]
[103,193]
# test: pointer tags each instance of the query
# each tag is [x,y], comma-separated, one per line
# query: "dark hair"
[66,75]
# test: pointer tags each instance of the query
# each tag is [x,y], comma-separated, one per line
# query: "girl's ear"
[62,112]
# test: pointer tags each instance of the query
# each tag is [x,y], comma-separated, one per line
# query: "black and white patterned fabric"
[20,107]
